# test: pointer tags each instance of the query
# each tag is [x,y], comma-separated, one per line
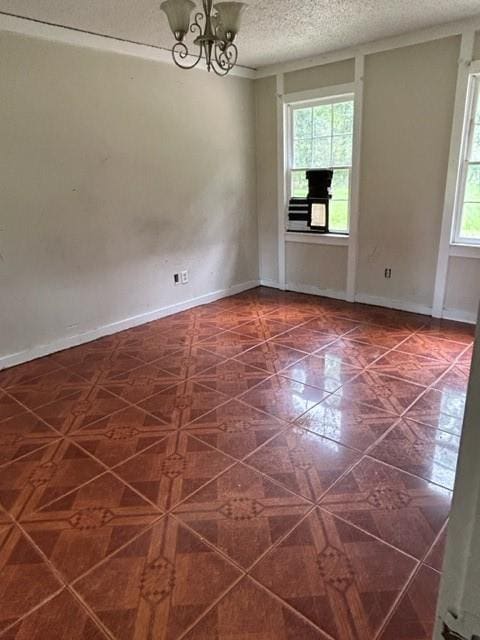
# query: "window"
[321,137]
[467,208]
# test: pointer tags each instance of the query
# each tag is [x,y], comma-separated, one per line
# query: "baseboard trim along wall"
[127,323]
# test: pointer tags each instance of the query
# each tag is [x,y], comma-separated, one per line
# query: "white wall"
[115,173]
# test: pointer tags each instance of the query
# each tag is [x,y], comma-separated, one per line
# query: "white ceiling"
[272,31]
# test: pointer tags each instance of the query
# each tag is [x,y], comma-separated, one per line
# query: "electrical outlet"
[176,278]
[388,273]
[184,277]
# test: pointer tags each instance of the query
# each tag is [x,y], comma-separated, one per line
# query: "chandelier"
[216,29]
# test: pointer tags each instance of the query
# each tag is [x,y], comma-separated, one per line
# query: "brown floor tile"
[137,384]
[305,340]
[435,556]
[424,345]
[440,409]
[399,508]
[242,513]
[351,423]
[189,361]
[292,315]
[414,617]
[61,617]
[97,366]
[9,407]
[377,335]
[83,527]
[187,401]
[228,344]
[235,428]
[334,326]
[410,367]
[48,388]
[21,435]
[25,373]
[270,357]
[121,435]
[455,379]
[45,475]
[80,409]
[25,578]
[231,377]
[172,469]
[321,372]
[340,578]
[303,462]
[247,611]
[350,353]
[449,330]
[381,392]
[429,453]
[263,328]
[283,397]
[158,585]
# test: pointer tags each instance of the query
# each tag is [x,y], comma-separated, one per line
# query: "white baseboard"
[401,305]
[127,323]
[460,315]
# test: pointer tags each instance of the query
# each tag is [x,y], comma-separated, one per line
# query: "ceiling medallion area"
[215,29]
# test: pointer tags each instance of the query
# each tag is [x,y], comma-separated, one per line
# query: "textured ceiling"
[273,30]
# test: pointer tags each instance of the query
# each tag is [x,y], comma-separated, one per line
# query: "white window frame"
[328,95]
[473,94]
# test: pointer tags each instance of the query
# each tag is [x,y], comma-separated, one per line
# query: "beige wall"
[115,172]
[323,267]
[322,76]
[407,116]
[463,287]
[476,48]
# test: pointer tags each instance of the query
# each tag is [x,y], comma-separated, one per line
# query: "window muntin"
[322,138]
[467,219]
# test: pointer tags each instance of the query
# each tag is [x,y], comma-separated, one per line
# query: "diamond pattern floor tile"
[440,409]
[231,377]
[423,345]
[48,388]
[410,367]
[322,372]
[137,384]
[305,340]
[158,585]
[189,362]
[21,435]
[242,513]
[401,509]
[340,578]
[9,407]
[270,357]
[437,552]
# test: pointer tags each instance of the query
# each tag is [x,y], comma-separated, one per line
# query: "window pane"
[340,184]
[322,155]
[302,153]
[338,214]
[299,184]
[471,220]
[302,123]
[341,150]
[343,118]
[472,186]
[322,120]
[475,150]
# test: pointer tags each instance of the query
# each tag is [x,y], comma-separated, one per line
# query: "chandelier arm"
[180,52]
[196,26]
[226,55]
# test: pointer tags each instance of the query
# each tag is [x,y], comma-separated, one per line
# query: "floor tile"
[83,527]
[121,435]
[189,361]
[79,410]
[270,357]
[410,367]
[21,435]
[331,325]
[429,453]
[48,388]
[235,428]
[352,423]
[435,556]
[377,335]
[137,384]
[399,508]
[228,344]
[98,366]
[449,330]
[283,397]
[231,377]
[321,371]
[25,578]
[292,315]
[424,345]
[382,392]
[158,585]
[303,462]
[248,611]
[263,328]
[440,409]
[62,615]
[414,617]
[350,353]
[340,578]
[9,407]
[242,513]
[25,373]
[455,379]
[305,340]
[187,401]
[169,471]
[44,475]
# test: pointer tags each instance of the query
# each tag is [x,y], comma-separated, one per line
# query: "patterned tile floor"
[272,466]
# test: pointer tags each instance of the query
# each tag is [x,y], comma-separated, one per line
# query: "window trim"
[302,99]
[473,95]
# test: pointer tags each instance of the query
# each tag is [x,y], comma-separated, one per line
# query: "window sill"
[307,237]
[465,250]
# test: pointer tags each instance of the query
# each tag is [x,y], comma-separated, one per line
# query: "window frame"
[473,96]
[311,100]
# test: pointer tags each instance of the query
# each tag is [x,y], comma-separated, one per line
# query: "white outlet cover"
[184,277]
